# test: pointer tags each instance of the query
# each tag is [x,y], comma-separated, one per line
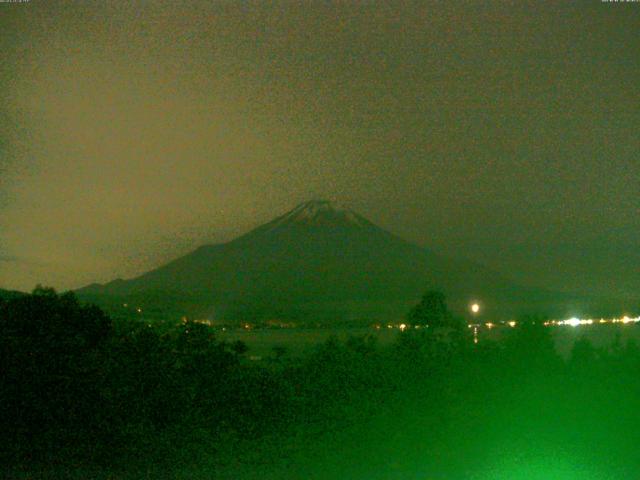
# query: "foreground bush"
[80,396]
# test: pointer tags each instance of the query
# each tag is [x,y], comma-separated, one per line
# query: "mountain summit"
[315,214]
[322,212]
[318,261]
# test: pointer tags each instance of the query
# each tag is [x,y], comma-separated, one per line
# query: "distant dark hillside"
[319,261]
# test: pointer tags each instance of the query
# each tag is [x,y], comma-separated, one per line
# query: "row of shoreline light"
[576,322]
[572,322]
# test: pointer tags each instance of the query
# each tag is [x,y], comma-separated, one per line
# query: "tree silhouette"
[239,347]
[432,311]
[50,347]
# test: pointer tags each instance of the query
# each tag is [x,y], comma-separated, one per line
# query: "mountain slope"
[318,261]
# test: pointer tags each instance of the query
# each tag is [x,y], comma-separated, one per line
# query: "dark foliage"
[432,311]
[80,392]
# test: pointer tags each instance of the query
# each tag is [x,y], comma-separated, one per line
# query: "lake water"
[297,341]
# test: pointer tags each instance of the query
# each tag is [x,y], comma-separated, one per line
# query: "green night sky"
[505,132]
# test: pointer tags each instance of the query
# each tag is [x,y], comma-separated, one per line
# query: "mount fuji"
[319,262]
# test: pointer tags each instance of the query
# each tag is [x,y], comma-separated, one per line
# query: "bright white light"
[475,308]
[575,322]
[402,327]
[511,323]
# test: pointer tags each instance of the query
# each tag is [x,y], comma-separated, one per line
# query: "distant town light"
[475,308]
